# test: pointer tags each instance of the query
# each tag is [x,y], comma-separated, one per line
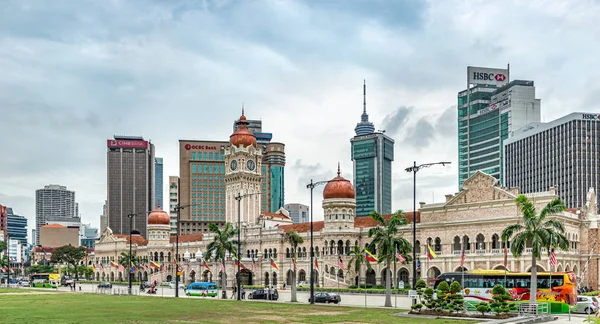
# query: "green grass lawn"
[16,290]
[90,308]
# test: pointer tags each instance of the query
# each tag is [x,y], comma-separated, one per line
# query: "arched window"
[325,248]
[317,251]
[248,254]
[466,244]
[495,242]
[457,246]
[169,257]
[274,254]
[417,247]
[438,244]
[480,247]
[340,247]
[287,253]
[266,255]
[347,247]
[270,252]
[155,256]
[304,252]
[332,247]
[162,257]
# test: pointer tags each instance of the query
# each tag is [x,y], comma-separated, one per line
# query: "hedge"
[592,293]
[355,290]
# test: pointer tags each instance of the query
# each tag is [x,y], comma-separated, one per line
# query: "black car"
[262,294]
[327,298]
[105,285]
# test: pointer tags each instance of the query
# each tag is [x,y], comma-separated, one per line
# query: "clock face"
[251,165]
[233,165]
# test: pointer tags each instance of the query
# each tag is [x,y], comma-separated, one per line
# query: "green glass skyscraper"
[372,154]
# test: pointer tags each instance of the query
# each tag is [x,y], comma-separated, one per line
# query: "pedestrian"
[243,293]
[234,291]
[284,286]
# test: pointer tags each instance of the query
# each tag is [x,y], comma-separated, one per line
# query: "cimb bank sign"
[487,76]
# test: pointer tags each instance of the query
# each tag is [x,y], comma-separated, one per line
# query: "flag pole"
[395,283]
[462,266]
[550,261]
[505,261]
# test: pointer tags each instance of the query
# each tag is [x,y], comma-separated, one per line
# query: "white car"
[303,284]
[172,285]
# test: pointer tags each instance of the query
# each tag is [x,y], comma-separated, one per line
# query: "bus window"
[543,283]
[510,283]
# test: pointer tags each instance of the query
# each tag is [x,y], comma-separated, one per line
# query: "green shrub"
[483,307]
[417,307]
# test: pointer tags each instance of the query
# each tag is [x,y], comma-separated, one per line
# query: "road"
[401,302]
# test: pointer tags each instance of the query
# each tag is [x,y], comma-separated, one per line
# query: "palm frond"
[555,207]
[511,230]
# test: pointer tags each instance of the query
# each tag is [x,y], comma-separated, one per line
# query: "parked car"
[172,285]
[24,283]
[303,284]
[262,294]
[105,285]
[586,304]
[327,298]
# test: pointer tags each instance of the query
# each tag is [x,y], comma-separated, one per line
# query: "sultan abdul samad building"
[475,217]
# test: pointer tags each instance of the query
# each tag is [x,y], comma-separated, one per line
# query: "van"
[202,289]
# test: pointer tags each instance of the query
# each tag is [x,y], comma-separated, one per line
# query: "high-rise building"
[130,169]
[16,227]
[104,217]
[158,182]
[88,235]
[3,222]
[494,109]
[201,185]
[15,251]
[54,204]
[563,154]
[299,213]
[173,202]
[372,156]
[273,167]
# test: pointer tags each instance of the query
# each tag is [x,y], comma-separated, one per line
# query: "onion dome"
[338,187]
[242,136]
[158,217]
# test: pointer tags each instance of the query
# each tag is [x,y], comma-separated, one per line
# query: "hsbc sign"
[479,75]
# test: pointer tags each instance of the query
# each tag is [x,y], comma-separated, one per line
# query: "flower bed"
[470,315]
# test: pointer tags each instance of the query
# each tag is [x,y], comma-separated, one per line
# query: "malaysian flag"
[317,263]
[254,265]
[120,267]
[341,263]
[552,257]
[399,257]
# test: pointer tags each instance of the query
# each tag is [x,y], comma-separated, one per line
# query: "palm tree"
[384,238]
[223,242]
[294,239]
[357,258]
[537,230]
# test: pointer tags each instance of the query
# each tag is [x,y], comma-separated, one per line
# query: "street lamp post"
[312,186]
[178,208]
[238,254]
[414,169]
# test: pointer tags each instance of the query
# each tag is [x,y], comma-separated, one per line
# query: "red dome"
[242,136]
[159,217]
[338,187]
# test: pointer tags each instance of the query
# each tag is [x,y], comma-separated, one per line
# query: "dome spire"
[339,169]
[242,109]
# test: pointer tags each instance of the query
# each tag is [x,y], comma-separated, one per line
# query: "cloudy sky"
[73,73]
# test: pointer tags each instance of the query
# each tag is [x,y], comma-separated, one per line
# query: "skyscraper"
[201,185]
[16,227]
[562,154]
[494,109]
[54,203]
[158,182]
[130,168]
[273,167]
[372,154]
[173,202]
[299,213]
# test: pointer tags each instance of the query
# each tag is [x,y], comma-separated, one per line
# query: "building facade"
[88,235]
[130,173]
[473,218]
[54,203]
[488,113]
[201,185]
[55,235]
[104,217]
[158,182]
[16,227]
[372,156]
[563,153]
[299,213]
[173,202]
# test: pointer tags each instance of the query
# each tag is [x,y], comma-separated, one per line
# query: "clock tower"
[242,175]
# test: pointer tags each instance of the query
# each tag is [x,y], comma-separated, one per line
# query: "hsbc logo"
[488,76]
[591,116]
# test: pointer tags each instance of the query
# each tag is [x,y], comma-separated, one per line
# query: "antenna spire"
[364,96]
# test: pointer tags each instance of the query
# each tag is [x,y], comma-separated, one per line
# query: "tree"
[125,259]
[420,287]
[483,307]
[40,268]
[223,242]
[457,300]
[384,238]
[357,258]
[294,239]
[2,246]
[69,254]
[537,230]
[443,290]
[501,298]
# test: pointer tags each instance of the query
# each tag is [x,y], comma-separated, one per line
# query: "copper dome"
[158,217]
[338,187]
[242,136]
